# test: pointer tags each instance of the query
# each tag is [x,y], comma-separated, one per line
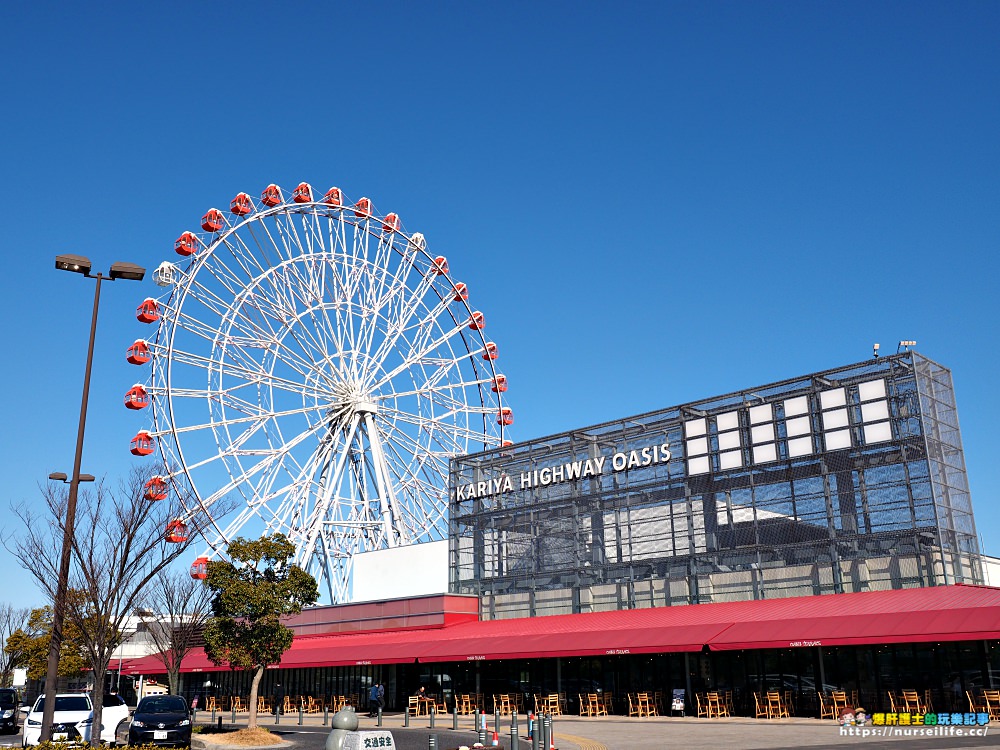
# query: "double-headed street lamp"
[131,272]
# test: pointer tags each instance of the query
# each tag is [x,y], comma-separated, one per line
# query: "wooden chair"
[633,704]
[760,707]
[826,707]
[839,698]
[976,706]
[992,700]
[892,701]
[263,705]
[716,706]
[912,703]
[646,705]
[776,707]
[413,706]
[553,704]
[701,705]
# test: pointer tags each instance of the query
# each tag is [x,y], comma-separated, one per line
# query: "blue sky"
[652,202]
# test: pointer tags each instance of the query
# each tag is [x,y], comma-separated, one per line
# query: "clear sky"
[652,202]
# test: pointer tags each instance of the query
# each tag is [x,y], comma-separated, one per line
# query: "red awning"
[943,613]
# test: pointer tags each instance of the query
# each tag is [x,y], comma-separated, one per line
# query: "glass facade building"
[847,480]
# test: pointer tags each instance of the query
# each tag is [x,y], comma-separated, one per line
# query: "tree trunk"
[174,678]
[97,698]
[254,684]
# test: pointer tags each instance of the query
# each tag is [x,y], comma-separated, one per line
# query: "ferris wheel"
[313,369]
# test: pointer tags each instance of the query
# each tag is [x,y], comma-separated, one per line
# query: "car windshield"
[64,703]
[162,704]
[8,697]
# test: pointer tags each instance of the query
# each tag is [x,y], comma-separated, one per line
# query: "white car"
[73,718]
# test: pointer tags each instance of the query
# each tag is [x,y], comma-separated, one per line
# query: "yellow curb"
[582,742]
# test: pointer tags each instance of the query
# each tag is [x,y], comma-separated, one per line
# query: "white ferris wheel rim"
[341,375]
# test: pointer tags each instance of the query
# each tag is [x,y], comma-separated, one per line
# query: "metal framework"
[846,480]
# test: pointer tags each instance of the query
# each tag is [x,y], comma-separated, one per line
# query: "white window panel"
[730,460]
[762,433]
[729,440]
[796,406]
[876,411]
[696,446]
[698,466]
[760,414]
[871,390]
[762,454]
[802,446]
[797,426]
[694,427]
[837,440]
[878,433]
[728,421]
[833,398]
[835,419]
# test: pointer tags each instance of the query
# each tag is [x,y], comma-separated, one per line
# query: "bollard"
[233,719]
[277,715]
[552,732]
[213,714]
[514,742]
[194,716]
[513,721]
[326,715]
[406,718]
[432,742]
[482,737]
[496,720]
[431,715]
[536,738]
[379,723]
[531,725]
[454,716]
[220,723]
[300,713]
[545,731]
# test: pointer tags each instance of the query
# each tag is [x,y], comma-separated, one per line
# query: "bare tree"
[178,607]
[119,546]
[12,619]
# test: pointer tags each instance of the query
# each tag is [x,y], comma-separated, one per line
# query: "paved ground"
[621,733]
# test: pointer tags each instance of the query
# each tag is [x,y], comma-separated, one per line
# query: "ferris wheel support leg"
[330,486]
[394,533]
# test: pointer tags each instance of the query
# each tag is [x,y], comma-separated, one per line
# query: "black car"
[162,720]
[9,702]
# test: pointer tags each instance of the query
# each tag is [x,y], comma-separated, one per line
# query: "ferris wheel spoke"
[396,328]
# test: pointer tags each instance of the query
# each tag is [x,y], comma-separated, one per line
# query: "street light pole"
[77,264]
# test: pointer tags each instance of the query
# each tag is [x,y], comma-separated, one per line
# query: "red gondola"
[177,531]
[271,195]
[241,205]
[303,193]
[199,569]
[136,398]
[334,197]
[138,353]
[156,489]
[506,416]
[391,223]
[461,292]
[186,244]
[490,351]
[440,265]
[362,208]
[142,444]
[477,321]
[148,311]
[499,384]
[212,220]
[505,443]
